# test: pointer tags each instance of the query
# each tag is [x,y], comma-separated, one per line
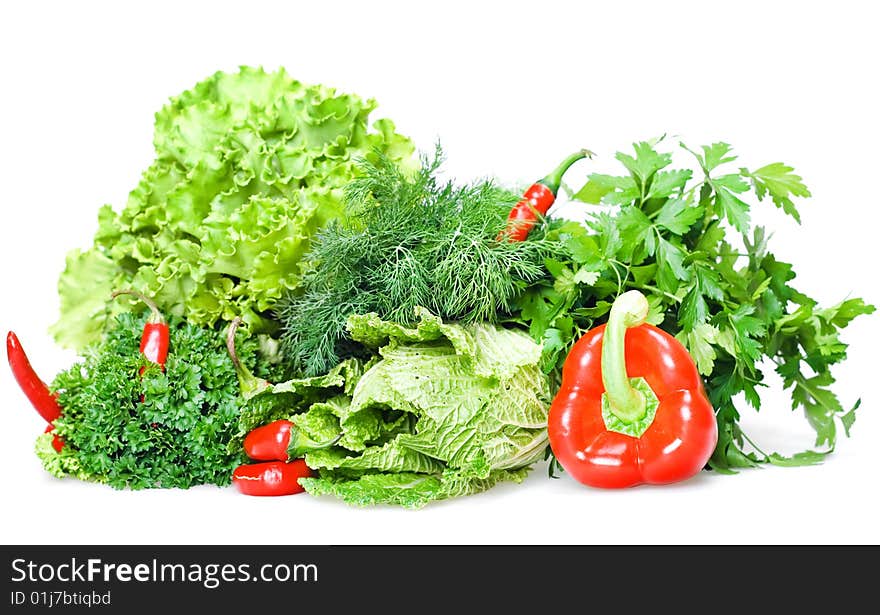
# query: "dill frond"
[406,241]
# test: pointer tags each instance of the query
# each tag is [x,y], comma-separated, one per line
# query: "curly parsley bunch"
[158,429]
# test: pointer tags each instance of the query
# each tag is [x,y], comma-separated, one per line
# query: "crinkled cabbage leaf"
[442,410]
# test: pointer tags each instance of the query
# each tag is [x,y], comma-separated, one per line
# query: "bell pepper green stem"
[554,179]
[626,403]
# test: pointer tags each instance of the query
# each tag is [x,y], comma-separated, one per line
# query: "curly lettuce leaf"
[248,167]
[84,289]
[61,463]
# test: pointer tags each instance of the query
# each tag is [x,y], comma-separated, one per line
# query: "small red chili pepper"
[57,443]
[154,339]
[269,442]
[281,441]
[537,200]
[271,477]
[44,401]
[632,408]
[279,444]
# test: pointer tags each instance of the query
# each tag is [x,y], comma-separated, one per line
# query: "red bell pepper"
[631,408]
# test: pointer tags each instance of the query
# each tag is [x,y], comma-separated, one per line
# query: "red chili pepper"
[154,339]
[631,408]
[269,442]
[537,200]
[271,477]
[43,400]
[276,443]
[57,443]
[280,441]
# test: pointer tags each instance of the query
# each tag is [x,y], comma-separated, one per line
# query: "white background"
[509,88]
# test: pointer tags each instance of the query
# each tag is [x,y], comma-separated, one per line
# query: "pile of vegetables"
[342,322]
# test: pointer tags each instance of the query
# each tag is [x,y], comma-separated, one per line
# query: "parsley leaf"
[728,204]
[678,216]
[608,235]
[777,180]
[637,234]
[694,307]
[666,183]
[607,189]
[713,156]
[646,162]
[700,341]
[670,270]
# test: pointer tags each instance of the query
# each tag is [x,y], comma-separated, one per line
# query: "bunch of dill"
[407,241]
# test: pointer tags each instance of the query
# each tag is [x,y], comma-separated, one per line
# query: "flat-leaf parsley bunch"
[684,238]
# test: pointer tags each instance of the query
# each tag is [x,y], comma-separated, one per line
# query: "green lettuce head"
[248,167]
